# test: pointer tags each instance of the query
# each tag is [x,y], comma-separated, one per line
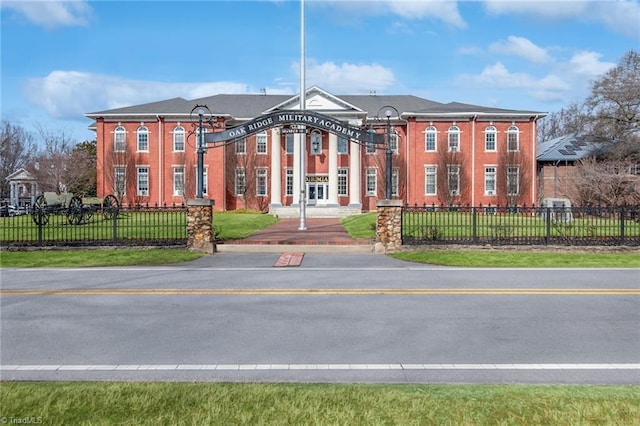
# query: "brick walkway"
[320,231]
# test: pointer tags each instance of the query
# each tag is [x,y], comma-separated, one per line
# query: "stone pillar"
[200,236]
[388,226]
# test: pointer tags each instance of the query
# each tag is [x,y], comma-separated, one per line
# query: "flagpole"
[303,134]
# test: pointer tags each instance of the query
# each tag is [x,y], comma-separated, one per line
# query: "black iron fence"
[128,226]
[522,225]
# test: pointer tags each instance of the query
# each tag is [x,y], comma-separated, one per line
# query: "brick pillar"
[200,225]
[388,226]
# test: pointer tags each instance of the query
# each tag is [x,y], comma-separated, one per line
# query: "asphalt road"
[335,318]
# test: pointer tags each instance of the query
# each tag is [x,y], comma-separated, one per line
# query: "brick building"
[441,154]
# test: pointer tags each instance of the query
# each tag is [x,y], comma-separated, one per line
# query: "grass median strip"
[250,404]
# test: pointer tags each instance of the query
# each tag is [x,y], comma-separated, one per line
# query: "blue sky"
[61,60]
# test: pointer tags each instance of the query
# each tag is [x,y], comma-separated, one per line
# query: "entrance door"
[318,193]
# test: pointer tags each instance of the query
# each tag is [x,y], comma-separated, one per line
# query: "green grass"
[82,403]
[361,226]
[520,258]
[238,224]
[77,258]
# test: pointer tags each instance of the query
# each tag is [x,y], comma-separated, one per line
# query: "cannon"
[77,209]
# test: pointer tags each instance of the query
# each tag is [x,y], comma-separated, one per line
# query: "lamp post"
[201,110]
[388,112]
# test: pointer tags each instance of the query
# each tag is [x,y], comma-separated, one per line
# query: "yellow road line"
[323,292]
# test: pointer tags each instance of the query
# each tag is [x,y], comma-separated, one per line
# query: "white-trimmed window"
[490,180]
[431,139]
[261,182]
[343,146]
[143,181]
[316,143]
[513,180]
[430,180]
[490,136]
[288,181]
[178,138]
[395,175]
[119,180]
[119,139]
[453,179]
[240,182]
[393,141]
[178,180]
[343,175]
[142,135]
[261,143]
[288,143]
[370,145]
[372,181]
[513,138]
[453,135]
[241,146]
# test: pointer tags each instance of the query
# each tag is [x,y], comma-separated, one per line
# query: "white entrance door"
[318,193]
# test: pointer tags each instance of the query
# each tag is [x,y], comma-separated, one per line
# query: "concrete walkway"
[321,235]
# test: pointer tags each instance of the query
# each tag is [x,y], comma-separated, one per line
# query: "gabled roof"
[169,106]
[458,108]
[20,175]
[570,148]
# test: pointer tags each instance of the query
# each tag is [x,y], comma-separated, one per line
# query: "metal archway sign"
[289,117]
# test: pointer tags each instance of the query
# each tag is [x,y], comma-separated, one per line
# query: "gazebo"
[24,188]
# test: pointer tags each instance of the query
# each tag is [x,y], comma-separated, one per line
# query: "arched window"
[119,139]
[454,138]
[431,139]
[178,138]
[261,143]
[490,134]
[513,138]
[143,138]
[393,141]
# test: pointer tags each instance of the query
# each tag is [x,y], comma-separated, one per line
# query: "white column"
[276,169]
[355,175]
[296,168]
[333,169]
[13,195]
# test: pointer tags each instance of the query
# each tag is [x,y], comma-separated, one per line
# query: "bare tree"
[604,182]
[17,148]
[513,175]
[243,164]
[453,183]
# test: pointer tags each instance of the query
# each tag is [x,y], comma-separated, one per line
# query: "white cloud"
[443,10]
[348,78]
[52,13]
[588,64]
[71,94]
[522,47]
[621,16]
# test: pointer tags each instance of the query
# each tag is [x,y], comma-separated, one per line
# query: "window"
[393,142]
[490,180]
[178,180]
[316,143]
[453,179]
[343,145]
[289,181]
[143,138]
[454,139]
[395,173]
[178,138]
[372,181]
[119,139]
[513,139]
[430,139]
[513,180]
[261,143]
[261,182]
[288,144]
[240,185]
[119,180]
[143,181]
[241,146]
[342,181]
[371,146]
[490,138]
[430,180]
